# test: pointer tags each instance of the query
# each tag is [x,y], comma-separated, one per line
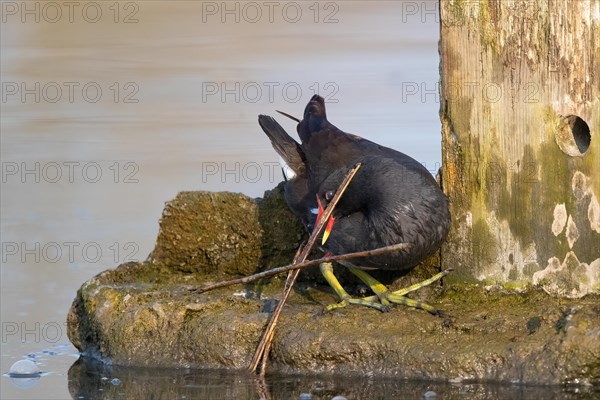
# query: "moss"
[555,167]
[459,169]
[540,37]
[526,195]
[517,284]
[460,114]
[488,25]
[484,246]
[168,328]
[459,11]
[517,203]
[495,194]
[204,232]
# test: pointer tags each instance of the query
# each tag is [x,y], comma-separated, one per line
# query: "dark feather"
[284,144]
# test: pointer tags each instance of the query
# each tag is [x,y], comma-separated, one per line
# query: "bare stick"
[289,116]
[267,339]
[262,351]
[305,264]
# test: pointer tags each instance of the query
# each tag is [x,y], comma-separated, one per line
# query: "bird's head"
[315,118]
[353,199]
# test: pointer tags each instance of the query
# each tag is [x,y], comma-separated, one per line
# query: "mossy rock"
[203,232]
[148,314]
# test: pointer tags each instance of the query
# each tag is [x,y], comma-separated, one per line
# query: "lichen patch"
[560,219]
[579,184]
[572,232]
[594,214]
[571,278]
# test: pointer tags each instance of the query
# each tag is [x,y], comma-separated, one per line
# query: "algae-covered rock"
[128,323]
[226,233]
[205,232]
[147,314]
[283,233]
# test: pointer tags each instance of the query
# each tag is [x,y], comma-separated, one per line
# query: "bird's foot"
[386,297]
[385,302]
[426,282]
[395,298]
[373,301]
[362,302]
[383,298]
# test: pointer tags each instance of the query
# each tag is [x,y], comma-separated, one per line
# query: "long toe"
[397,299]
[367,302]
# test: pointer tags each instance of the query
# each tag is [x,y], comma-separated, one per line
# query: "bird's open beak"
[329,225]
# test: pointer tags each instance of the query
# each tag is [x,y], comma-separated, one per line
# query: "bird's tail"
[288,149]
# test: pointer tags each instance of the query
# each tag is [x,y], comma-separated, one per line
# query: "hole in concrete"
[573,136]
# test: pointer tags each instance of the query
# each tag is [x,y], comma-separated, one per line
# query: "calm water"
[110,109]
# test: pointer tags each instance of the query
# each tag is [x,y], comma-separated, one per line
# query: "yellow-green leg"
[327,271]
[398,297]
[383,297]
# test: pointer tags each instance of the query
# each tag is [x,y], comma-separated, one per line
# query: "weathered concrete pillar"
[520,115]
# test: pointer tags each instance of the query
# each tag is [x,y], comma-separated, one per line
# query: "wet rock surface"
[147,314]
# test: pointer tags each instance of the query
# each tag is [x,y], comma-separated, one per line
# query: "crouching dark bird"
[391,199]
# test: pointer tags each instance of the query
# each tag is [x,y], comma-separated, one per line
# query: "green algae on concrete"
[147,314]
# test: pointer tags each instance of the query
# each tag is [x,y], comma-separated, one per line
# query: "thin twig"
[265,343]
[262,351]
[301,265]
[288,115]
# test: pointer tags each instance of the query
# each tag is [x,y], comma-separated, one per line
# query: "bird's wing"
[287,148]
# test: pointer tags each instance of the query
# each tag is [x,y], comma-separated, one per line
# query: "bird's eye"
[329,195]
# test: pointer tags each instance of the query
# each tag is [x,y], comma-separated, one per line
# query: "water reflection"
[92,380]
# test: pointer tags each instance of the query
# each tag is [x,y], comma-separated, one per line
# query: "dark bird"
[391,199]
